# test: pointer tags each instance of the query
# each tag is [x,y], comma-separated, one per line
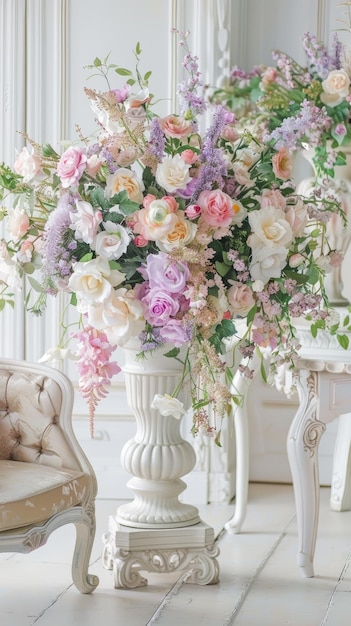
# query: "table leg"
[240,387]
[340,499]
[302,445]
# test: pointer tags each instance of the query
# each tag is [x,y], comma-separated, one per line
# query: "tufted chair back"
[31,404]
[45,478]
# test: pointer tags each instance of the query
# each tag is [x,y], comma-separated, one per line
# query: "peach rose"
[176,126]
[282,164]
[240,298]
[125,179]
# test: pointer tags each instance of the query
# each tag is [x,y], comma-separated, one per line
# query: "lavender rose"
[164,274]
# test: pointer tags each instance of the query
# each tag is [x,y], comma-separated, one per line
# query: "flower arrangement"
[155,231]
[298,106]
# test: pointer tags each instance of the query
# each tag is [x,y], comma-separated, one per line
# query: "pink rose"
[193,211]
[217,207]
[229,133]
[189,156]
[282,164]
[71,166]
[140,241]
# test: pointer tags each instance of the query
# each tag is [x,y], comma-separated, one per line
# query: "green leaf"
[313,275]
[97,62]
[263,371]
[87,257]
[314,330]
[343,341]
[222,268]
[172,353]
[35,285]
[227,328]
[122,71]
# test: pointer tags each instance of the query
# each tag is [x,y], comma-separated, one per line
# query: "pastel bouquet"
[154,231]
[298,106]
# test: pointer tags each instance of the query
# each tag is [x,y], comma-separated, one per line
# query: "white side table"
[323,381]
[324,387]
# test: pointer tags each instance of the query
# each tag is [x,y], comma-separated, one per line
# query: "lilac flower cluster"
[57,258]
[214,168]
[319,59]
[305,126]
[157,139]
[190,102]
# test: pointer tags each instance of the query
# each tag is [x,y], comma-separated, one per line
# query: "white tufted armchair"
[45,478]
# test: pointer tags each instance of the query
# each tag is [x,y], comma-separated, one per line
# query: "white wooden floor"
[260,584]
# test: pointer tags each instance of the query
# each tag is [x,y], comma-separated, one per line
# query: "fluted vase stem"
[157,456]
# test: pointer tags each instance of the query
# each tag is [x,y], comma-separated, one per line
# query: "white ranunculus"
[94,280]
[267,263]
[168,406]
[173,173]
[269,228]
[112,242]
[121,316]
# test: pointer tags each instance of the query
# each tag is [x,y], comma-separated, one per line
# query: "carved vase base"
[129,551]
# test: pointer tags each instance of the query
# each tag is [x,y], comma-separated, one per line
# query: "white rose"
[17,223]
[121,316]
[127,180]
[270,228]
[335,87]
[242,175]
[93,281]
[173,173]
[85,222]
[168,406]
[112,242]
[28,165]
[267,263]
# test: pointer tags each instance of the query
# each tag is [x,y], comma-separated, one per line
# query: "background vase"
[157,456]
[338,234]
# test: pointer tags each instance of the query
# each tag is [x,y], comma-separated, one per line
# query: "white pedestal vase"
[339,235]
[156,531]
